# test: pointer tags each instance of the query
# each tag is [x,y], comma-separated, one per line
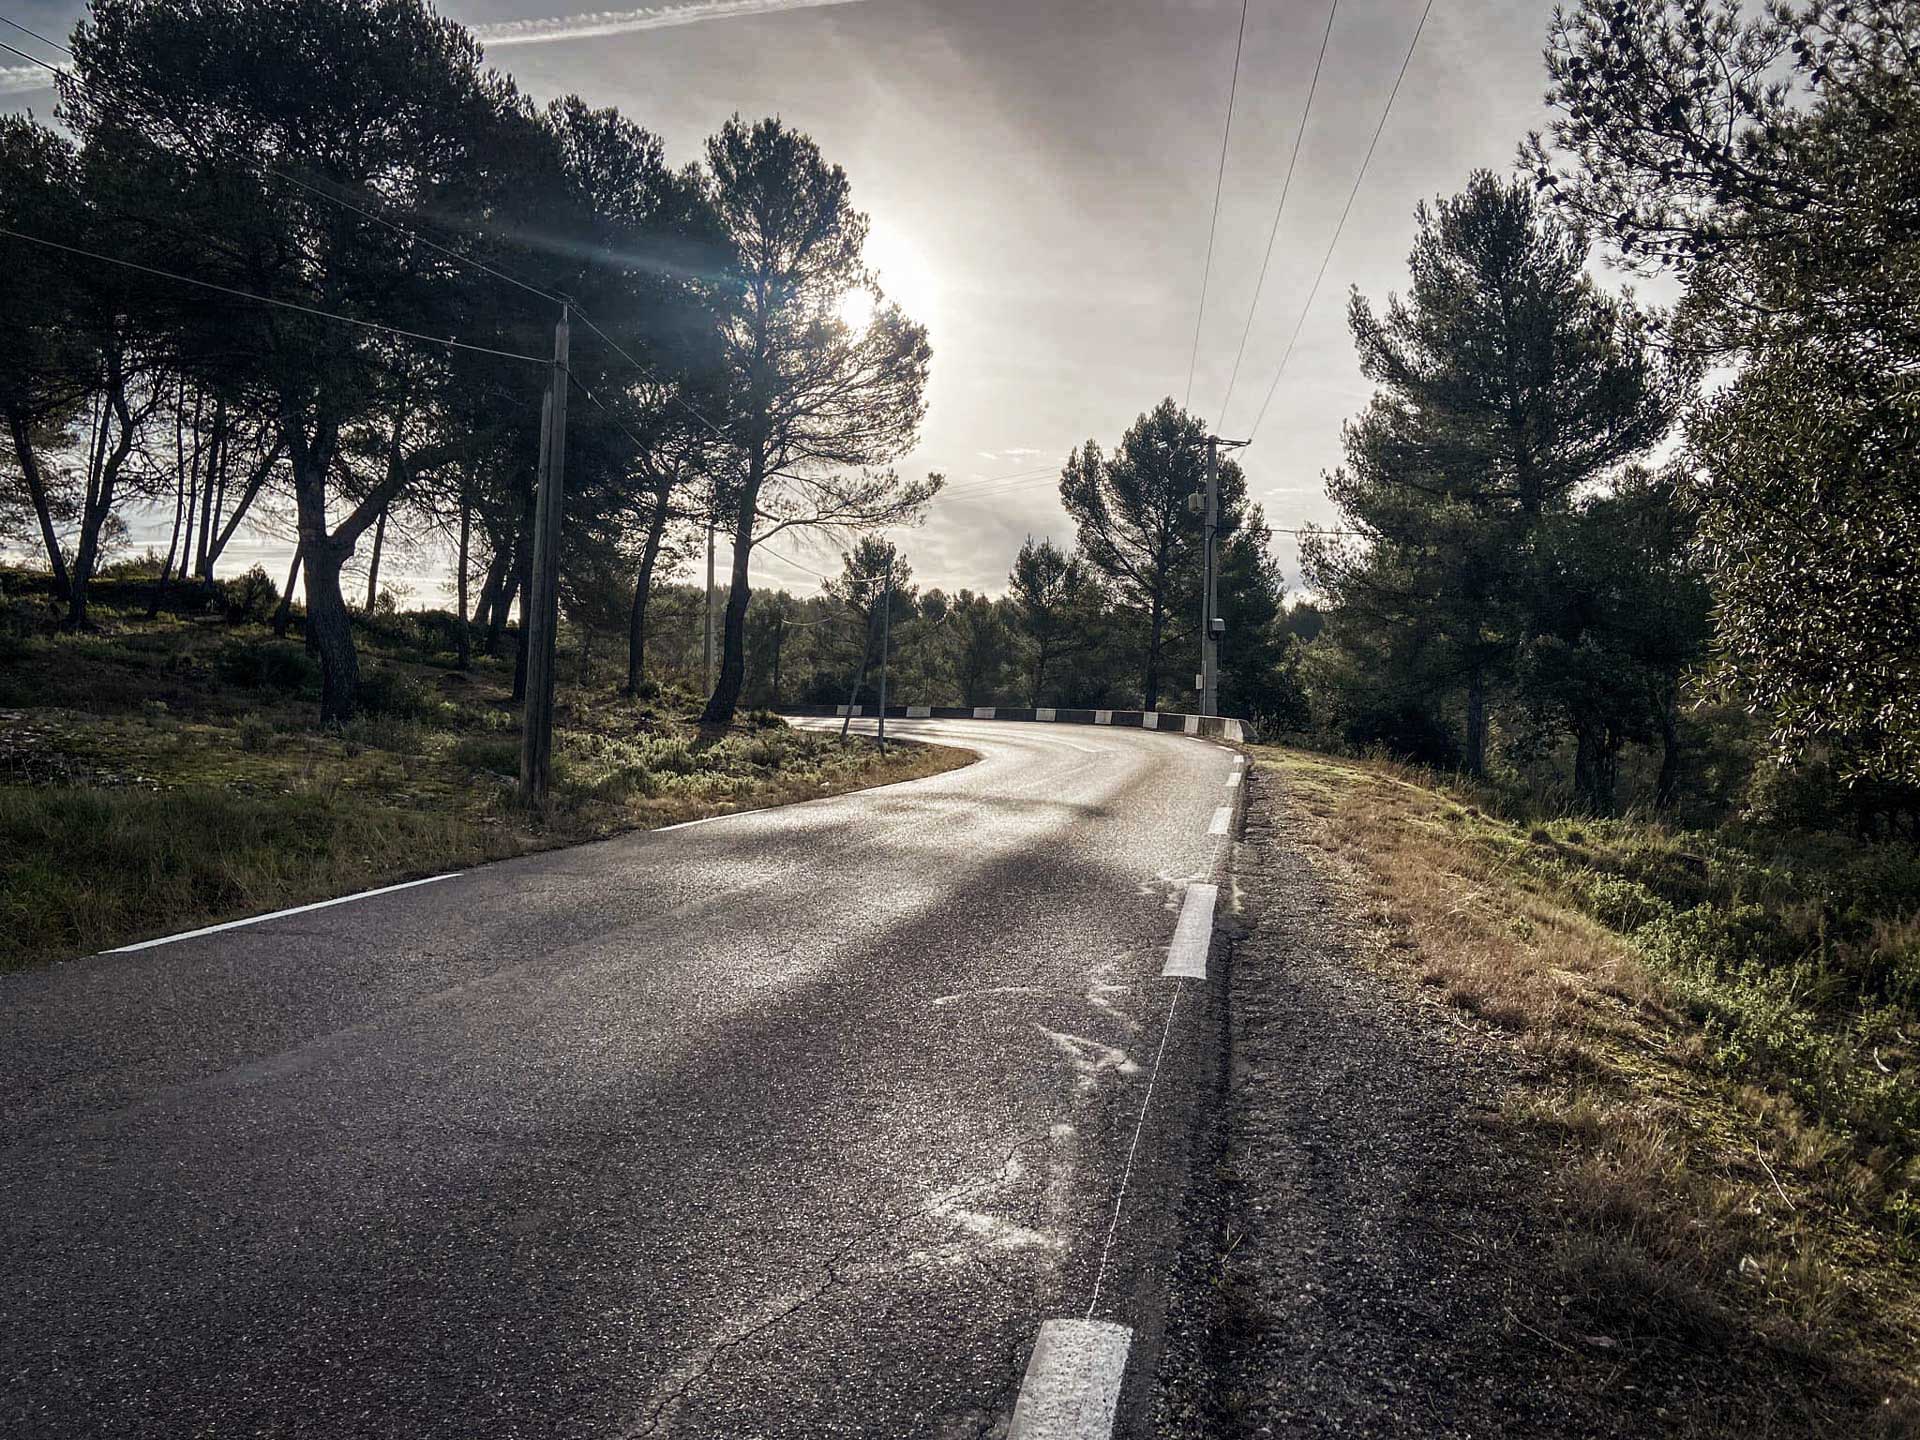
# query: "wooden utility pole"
[886,644]
[542,602]
[706,631]
[779,633]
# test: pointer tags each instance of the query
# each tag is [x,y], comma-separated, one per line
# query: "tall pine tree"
[1507,382]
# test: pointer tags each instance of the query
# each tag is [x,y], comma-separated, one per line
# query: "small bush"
[396,694]
[252,596]
[397,733]
[268,665]
[497,755]
[255,733]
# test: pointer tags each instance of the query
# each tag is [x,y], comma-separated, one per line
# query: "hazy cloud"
[22,79]
[620,22]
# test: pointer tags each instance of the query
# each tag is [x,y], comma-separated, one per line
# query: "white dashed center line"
[1187,955]
[1072,1387]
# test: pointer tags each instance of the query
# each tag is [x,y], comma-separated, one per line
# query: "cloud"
[621,22]
[24,79]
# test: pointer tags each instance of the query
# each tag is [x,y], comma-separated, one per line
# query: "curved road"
[794,1123]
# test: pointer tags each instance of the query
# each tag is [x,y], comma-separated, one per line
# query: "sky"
[1040,176]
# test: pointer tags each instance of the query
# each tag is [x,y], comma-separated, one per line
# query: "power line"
[1367,159]
[1219,182]
[855,583]
[981,482]
[394,226]
[269,300]
[1279,210]
[619,350]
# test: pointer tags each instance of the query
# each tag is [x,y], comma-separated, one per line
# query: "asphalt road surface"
[794,1123]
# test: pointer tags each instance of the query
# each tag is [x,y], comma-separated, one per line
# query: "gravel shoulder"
[1367,1256]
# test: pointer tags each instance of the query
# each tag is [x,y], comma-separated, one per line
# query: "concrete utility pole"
[1209,591]
[542,614]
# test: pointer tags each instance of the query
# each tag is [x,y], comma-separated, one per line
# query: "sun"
[906,278]
[856,309]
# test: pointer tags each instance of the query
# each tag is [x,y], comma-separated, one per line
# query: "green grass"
[158,775]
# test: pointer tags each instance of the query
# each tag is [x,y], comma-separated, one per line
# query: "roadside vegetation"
[167,772]
[1717,1036]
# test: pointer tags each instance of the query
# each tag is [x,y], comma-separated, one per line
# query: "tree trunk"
[1596,763]
[642,590]
[188,460]
[206,462]
[179,506]
[779,634]
[283,617]
[1666,789]
[463,632]
[248,494]
[733,654]
[179,509]
[1039,673]
[1475,762]
[36,479]
[491,586]
[1150,682]
[860,676]
[373,565]
[502,607]
[331,629]
[104,464]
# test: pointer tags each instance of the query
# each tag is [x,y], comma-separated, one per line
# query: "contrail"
[619,22]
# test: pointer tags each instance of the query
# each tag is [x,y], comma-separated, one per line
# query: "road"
[794,1123]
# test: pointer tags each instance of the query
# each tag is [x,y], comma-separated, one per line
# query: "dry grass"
[1713,1199]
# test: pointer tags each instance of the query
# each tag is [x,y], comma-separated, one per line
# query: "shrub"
[268,665]
[394,693]
[255,733]
[252,596]
[397,733]
[498,755]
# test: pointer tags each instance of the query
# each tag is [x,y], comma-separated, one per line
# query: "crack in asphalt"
[833,1280]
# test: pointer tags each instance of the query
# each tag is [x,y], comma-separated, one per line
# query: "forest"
[1629,556]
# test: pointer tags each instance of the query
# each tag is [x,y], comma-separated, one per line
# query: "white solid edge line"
[1072,1385]
[735,814]
[280,914]
[1193,935]
[1222,818]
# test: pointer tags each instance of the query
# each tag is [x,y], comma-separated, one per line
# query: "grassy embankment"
[161,774]
[1718,1037]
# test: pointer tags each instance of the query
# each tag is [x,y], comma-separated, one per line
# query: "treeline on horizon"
[1647,557]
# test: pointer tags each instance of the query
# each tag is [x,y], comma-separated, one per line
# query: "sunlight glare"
[856,309]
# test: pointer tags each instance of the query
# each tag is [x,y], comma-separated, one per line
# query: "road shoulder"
[1375,1248]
